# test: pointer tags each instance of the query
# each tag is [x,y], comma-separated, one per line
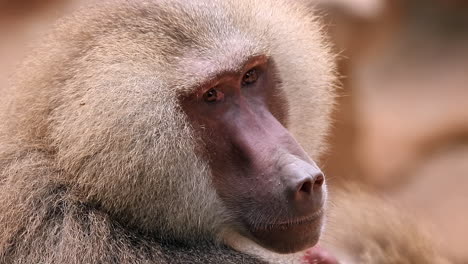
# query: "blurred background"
[401,125]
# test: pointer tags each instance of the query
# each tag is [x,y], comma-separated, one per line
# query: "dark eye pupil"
[211,95]
[250,77]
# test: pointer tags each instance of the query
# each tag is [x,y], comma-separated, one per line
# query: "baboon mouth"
[291,222]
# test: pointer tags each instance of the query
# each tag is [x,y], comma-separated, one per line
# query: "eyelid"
[219,95]
[257,72]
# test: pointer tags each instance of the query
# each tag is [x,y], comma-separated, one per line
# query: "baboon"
[169,131]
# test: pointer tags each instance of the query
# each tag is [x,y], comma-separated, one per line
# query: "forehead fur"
[204,37]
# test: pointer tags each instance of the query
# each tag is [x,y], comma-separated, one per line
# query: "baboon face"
[260,172]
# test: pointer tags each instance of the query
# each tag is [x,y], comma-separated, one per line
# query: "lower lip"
[290,224]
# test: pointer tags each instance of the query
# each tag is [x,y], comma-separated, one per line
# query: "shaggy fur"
[365,229]
[97,160]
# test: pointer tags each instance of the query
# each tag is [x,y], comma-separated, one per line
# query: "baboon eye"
[250,77]
[213,95]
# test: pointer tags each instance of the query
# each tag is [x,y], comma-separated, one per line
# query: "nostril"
[311,183]
[319,180]
[306,187]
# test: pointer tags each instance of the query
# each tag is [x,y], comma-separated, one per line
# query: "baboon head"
[187,118]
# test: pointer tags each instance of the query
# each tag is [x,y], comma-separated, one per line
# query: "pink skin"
[318,255]
[263,176]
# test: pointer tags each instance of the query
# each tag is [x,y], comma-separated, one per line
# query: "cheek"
[278,104]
